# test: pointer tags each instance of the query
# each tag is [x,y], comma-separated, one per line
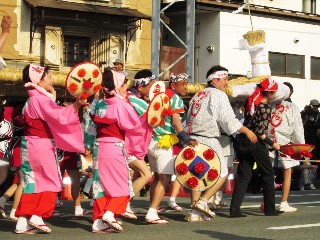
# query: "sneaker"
[285,207]
[309,187]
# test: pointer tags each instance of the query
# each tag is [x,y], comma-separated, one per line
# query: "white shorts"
[286,162]
[161,160]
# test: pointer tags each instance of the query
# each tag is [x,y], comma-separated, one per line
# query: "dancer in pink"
[114,118]
[47,126]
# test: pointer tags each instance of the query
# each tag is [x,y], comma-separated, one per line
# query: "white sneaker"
[285,207]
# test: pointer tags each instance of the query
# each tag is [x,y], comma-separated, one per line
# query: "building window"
[315,68]
[290,65]
[75,50]
[309,6]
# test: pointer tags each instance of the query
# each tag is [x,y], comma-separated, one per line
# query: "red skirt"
[40,204]
[117,205]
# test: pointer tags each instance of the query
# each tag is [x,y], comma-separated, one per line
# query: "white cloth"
[259,58]
[286,127]
[209,114]
[242,92]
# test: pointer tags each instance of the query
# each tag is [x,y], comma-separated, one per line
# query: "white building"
[292,30]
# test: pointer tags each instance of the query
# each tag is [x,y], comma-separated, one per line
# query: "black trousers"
[260,155]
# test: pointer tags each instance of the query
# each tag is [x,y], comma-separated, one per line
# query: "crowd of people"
[105,150]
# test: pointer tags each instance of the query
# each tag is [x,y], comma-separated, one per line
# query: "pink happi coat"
[40,167]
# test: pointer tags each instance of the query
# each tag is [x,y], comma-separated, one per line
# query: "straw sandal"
[204,209]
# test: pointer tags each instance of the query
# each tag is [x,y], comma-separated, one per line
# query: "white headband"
[217,74]
[143,81]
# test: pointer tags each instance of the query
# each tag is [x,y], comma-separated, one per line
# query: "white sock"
[172,199]
[36,219]
[108,215]
[98,224]
[13,212]
[3,200]
[152,213]
[78,208]
[22,223]
[128,207]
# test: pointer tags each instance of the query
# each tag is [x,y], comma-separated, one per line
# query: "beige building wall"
[17,51]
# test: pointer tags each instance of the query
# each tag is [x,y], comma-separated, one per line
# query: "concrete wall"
[294,5]
[225,29]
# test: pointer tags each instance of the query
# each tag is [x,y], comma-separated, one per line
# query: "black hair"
[107,81]
[289,85]
[144,73]
[25,73]
[215,68]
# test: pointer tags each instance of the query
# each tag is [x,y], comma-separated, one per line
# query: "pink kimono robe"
[114,119]
[47,126]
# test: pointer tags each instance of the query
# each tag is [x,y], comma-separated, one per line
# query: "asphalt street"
[303,224]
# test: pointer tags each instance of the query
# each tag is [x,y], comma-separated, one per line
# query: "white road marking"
[297,203]
[295,226]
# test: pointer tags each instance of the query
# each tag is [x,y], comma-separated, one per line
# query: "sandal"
[202,207]
[157,221]
[42,227]
[31,230]
[85,212]
[113,224]
[175,207]
[161,209]
[104,230]
[197,218]
[128,214]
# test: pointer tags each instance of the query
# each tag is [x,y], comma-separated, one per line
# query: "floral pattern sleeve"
[259,122]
